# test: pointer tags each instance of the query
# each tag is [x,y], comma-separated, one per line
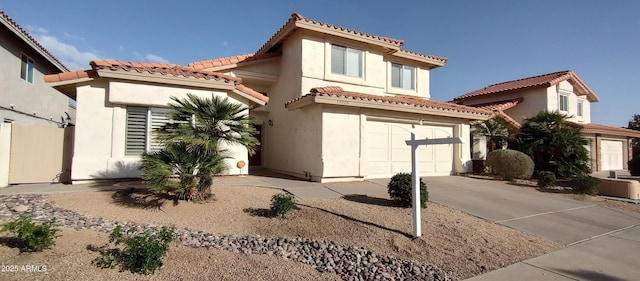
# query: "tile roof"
[18,28]
[432,57]
[295,17]
[545,80]
[335,91]
[499,105]
[231,60]
[153,68]
[592,128]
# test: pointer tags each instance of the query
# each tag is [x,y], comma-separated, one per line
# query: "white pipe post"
[415,190]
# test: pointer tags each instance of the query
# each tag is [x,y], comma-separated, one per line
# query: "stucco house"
[24,96]
[563,91]
[341,103]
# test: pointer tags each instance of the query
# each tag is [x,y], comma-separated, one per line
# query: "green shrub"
[142,252]
[282,203]
[634,165]
[587,184]
[546,179]
[510,164]
[35,238]
[400,189]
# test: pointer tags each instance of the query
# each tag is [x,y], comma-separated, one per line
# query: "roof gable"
[540,81]
[29,40]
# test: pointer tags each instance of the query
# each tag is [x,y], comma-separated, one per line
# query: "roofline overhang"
[249,97]
[313,99]
[167,79]
[433,63]
[240,64]
[33,46]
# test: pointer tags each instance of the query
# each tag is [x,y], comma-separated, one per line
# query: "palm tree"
[194,143]
[553,145]
[496,130]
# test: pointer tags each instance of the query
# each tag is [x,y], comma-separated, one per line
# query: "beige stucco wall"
[23,102]
[565,88]
[99,151]
[5,152]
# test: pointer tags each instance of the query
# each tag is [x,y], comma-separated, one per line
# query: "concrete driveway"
[602,243]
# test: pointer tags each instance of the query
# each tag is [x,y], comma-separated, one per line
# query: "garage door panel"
[612,155]
[388,154]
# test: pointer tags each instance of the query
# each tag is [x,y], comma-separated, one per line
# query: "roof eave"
[167,79]
[432,62]
[29,42]
[249,97]
[409,108]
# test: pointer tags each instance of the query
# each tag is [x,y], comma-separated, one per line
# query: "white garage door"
[388,154]
[611,155]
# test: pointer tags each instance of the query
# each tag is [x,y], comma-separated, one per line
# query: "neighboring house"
[341,105]
[120,104]
[563,91]
[25,98]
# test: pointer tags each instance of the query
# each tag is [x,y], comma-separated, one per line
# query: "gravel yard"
[454,245]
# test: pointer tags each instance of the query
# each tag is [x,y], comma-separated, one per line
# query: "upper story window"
[141,122]
[564,103]
[346,61]
[580,108]
[403,76]
[26,68]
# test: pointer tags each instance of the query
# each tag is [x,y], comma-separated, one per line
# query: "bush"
[634,165]
[587,185]
[282,203]
[142,252]
[510,164]
[399,189]
[546,179]
[34,238]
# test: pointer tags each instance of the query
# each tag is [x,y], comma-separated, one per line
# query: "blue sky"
[486,42]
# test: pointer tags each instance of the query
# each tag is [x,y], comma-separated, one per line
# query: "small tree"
[193,143]
[497,131]
[553,145]
[634,124]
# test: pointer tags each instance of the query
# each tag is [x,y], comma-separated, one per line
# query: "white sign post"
[415,178]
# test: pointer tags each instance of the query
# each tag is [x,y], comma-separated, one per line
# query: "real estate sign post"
[415,178]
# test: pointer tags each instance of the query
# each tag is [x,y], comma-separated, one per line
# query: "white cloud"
[74,37]
[155,58]
[70,56]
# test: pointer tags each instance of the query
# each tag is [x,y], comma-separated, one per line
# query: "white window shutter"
[159,117]
[136,131]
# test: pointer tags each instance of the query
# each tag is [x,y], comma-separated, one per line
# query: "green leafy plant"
[34,237]
[282,203]
[510,164]
[546,179]
[587,184]
[634,165]
[400,190]
[142,252]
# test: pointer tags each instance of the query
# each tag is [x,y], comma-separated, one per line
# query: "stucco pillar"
[5,153]
[462,152]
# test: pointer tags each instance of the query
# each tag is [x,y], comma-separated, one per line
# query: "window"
[580,108]
[26,69]
[403,76]
[141,122]
[346,61]
[564,103]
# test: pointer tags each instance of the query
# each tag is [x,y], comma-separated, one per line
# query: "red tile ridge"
[162,68]
[499,105]
[295,17]
[33,40]
[66,76]
[532,81]
[337,91]
[253,93]
[231,60]
[437,58]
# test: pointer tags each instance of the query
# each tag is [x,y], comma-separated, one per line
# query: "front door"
[256,159]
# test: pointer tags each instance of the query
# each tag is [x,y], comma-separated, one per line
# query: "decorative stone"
[20,209]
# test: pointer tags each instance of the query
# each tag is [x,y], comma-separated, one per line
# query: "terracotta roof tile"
[545,80]
[295,17]
[231,60]
[437,58]
[160,68]
[65,76]
[251,92]
[499,105]
[592,128]
[335,91]
[9,20]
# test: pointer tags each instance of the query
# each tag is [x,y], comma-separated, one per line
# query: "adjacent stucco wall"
[99,151]
[27,103]
[565,88]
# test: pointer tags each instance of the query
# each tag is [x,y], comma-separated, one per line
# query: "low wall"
[629,189]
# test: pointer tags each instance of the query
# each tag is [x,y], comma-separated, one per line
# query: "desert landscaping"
[234,237]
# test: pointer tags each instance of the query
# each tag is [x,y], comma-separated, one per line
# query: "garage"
[612,155]
[388,154]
